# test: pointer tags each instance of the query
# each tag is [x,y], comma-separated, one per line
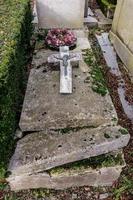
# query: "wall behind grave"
[60,13]
[122,32]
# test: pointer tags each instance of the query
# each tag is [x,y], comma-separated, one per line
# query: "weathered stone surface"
[104,176]
[44,150]
[82,40]
[60,13]
[91,21]
[45,108]
[41,56]
[123,23]
[123,52]
[82,108]
[49,109]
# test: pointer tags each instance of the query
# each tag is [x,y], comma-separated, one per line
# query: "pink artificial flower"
[60,37]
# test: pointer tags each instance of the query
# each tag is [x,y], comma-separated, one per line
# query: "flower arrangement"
[60,37]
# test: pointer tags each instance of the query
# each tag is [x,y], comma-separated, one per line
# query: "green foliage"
[10,197]
[40,193]
[15,26]
[126,187]
[107,5]
[98,83]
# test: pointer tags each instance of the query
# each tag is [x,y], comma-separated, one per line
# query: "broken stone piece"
[41,151]
[72,177]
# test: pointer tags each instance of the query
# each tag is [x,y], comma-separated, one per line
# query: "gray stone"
[40,57]
[44,150]
[91,177]
[49,109]
[74,196]
[122,33]
[104,196]
[90,20]
[18,134]
[102,20]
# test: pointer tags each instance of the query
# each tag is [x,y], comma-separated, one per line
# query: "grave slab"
[49,109]
[68,177]
[44,108]
[41,151]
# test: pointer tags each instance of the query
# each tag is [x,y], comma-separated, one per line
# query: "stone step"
[41,151]
[106,170]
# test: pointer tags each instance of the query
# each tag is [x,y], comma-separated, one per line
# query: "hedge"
[15,32]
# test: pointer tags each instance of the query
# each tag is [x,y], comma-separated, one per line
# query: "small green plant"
[98,83]
[126,186]
[74,129]
[10,197]
[123,131]
[41,193]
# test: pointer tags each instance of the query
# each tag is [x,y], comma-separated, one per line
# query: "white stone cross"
[65,58]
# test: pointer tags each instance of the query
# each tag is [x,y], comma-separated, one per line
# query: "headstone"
[122,32]
[60,13]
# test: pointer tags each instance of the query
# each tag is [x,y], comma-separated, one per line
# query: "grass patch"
[125,187]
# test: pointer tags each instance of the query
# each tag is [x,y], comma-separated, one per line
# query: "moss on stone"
[106,135]
[74,129]
[123,131]
[106,160]
[98,81]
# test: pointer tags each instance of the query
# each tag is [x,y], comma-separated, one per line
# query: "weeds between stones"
[98,81]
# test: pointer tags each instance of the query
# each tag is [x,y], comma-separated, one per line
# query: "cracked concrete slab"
[45,108]
[68,177]
[41,151]
[103,177]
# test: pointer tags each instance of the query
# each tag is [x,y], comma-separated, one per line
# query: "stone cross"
[65,58]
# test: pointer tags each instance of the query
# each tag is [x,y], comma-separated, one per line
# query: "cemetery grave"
[70,132]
